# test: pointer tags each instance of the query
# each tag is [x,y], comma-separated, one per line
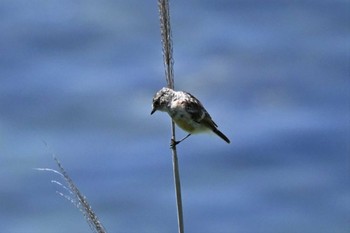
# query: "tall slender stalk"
[76,197]
[167,48]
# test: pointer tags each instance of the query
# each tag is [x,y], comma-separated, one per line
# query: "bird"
[186,111]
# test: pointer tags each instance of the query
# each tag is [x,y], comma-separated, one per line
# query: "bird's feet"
[173,143]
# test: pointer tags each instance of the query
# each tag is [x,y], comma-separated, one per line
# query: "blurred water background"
[80,76]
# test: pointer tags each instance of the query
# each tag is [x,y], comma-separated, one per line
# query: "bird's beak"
[153,110]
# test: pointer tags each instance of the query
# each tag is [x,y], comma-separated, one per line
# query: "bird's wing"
[198,112]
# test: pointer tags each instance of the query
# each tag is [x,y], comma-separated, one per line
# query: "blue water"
[80,76]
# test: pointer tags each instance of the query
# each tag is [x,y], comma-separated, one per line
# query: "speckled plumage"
[186,111]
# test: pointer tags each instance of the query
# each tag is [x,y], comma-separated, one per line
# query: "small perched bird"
[186,111]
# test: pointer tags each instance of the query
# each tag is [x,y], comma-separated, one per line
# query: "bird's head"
[162,99]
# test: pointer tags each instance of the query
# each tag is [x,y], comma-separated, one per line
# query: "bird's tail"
[221,135]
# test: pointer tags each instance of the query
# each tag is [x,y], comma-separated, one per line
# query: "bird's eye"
[156,103]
